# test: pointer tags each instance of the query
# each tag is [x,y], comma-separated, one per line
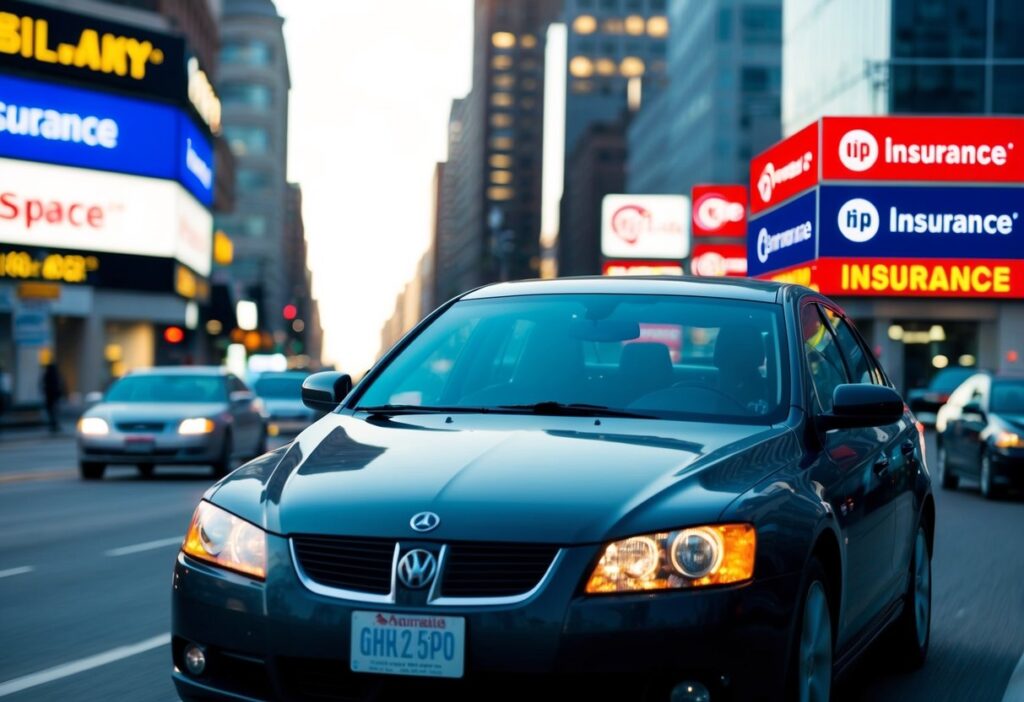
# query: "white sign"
[645,226]
[73,208]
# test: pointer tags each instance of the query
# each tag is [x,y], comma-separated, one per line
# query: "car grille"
[471,569]
[347,563]
[149,427]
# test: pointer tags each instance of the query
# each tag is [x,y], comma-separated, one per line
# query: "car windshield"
[1008,396]
[280,387]
[649,355]
[948,379]
[168,388]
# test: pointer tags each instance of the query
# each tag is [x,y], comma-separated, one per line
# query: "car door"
[949,427]
[849,475]
[898,452]
[973,421]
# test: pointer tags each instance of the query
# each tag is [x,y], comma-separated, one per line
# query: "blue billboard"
[73,127]
[921,222]
[784,237]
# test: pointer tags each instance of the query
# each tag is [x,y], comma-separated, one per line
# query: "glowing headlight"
[196,425]
[1007,439]
[93,426]
[692,557]
[223,539]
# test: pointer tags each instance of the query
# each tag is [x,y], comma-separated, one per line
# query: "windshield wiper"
[571,409]
[391,410]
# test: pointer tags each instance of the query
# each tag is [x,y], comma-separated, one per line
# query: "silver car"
[281,393]
[177,415]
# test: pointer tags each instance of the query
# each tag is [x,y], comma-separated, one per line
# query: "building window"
[252,179]
[635,25]
[505,81]
[657,26]
[1008,97]
[500,161]
[529,85]
[938,88]
[502,143]
[581,87]
[631,67]
[503,40]
[245,95]
[501,177]
[500,193]
[761,25]
[247,140]
[1009,20]
[501,63]
[501,100]
[246,53]
[758,79]
[584,24]
[501,120]
[581,67]
[614,25]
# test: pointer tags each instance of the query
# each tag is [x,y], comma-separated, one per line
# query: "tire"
[909,636]
[812,656]
[146,470]
[91,471]
[989,490]
[223,466]
[947,478]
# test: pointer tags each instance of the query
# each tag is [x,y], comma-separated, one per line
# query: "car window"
[168,388]
[824,360]
[279,386]
[861,370]
[1008,396]
[663,356]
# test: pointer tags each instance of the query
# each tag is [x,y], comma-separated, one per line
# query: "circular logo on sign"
[712,212]
[858,150]
[764,182]
[762,245]
[858,220]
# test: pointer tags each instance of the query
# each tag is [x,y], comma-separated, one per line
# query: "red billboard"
[716,260]
[719,210]
[784,170]
[641,268]
[952,149]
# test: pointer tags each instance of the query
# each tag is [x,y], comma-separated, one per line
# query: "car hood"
[154,411]
[1015,422]
[503,478]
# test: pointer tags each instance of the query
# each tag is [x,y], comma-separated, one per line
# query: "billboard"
[719,210]
[784,170]
[716,260]
[41,121]
[43,205]
[95,269]
[783,237]
[41,39]
[921,221]
[641,268]
[915,149]
[645,226]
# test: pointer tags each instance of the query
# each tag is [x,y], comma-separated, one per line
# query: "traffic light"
[290,311]
[174,335]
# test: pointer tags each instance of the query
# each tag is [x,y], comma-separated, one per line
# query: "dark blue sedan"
[677,489]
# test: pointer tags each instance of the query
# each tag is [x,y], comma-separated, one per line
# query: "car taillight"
[921,439]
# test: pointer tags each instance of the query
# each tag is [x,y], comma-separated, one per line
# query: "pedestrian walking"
[53,391]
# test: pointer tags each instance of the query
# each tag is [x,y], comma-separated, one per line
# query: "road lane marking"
[1015,690]
[146,546]
[37,475]
[20,570]
[65,670]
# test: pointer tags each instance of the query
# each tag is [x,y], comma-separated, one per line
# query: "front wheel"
[812,665]
[90,470]
[948,479]
[912,631]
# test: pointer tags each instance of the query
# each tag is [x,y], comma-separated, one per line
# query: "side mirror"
[93,398]
[862,405]
[241,397]
[973,410]
[325,391]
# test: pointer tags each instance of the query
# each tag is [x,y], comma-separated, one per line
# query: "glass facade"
[246,53]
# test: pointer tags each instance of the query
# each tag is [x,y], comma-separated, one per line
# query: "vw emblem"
[417,568]
[424,521]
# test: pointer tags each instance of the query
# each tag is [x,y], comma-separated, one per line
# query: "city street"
[99,556]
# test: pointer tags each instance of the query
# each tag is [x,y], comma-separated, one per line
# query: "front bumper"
[1008,467]
[281,641]
[164,448]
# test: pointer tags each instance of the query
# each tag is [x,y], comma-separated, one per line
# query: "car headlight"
[691,557]
[1008,439]
[221,538]
[196,425]
[93,426]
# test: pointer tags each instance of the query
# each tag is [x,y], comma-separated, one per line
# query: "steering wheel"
[720,393]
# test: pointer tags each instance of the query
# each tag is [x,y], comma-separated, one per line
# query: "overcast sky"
[372,84]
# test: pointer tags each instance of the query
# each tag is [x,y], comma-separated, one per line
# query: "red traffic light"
[290,312]
[174,335]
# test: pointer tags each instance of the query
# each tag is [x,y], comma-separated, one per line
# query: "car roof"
[728,288]
[181,370]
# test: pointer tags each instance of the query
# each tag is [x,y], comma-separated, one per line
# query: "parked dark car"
[180,415]
[683,490]
[982,434]
[925,402]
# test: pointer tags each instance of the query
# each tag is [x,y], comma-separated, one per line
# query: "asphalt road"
[85,573]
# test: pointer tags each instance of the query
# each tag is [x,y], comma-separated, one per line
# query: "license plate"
[139,444]
[408,644]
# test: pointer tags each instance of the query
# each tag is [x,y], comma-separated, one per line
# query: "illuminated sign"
[641,268]
[42,121]
[952,149]
[716,260]
[719,210]
[899,277]
[19,264]
[783,237]
[915,222]
[784,170]
[645,226]
[43,39]
[54,206]
[202,95]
